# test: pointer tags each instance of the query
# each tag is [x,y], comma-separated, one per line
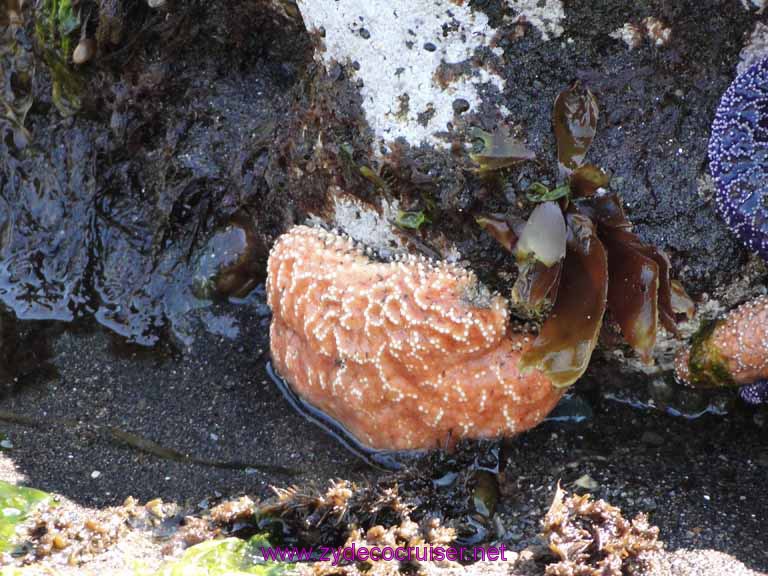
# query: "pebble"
[460,105]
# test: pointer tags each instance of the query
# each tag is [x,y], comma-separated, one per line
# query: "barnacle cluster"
[578,256]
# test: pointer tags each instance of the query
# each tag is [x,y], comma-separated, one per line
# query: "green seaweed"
[538,192]
[708,369]
[16,502]
[55,25]
[411,219]
[368,173]
[230,556]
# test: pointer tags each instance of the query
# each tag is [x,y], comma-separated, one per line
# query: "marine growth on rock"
[408,354]
[738,157]
[730,352]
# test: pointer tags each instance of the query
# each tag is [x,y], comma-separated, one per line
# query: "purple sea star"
[756,393]
[738,157]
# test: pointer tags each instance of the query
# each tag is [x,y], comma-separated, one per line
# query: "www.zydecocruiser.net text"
[356,553]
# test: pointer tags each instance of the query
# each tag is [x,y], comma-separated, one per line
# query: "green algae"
[16,502]
[55,25]
[412,219]
[708,369]
[230,556]
[538,192]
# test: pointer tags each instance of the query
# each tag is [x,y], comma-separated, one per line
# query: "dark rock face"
[106,215]
[738,154]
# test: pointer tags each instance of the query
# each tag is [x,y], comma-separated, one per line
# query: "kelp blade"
[499,150]
[575,119]
[633,292]
[564,346]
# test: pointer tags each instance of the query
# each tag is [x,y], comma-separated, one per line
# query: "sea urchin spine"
[405,355]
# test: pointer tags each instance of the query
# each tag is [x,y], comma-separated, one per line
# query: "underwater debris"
[394,351]
[592,538]
[63,530]
[732,351]
[313,516]
[737,157]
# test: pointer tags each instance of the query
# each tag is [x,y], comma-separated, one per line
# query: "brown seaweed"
[536,288]
[592,538]
[633,293]
[565,343]
[587,179]
[499,228]
[575,119]
[499,150]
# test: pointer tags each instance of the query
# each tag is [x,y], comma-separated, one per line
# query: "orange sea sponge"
[730,352]
[405,355]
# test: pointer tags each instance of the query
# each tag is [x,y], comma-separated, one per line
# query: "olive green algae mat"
[230,556]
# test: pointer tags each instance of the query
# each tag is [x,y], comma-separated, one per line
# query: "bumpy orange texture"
[741,341]
[405,355]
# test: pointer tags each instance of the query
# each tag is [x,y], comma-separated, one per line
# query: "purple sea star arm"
[738,157]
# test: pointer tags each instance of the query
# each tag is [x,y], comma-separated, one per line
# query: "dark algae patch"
[150,202]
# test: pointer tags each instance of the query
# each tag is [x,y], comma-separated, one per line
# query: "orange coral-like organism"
[732,352]
[405,355]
